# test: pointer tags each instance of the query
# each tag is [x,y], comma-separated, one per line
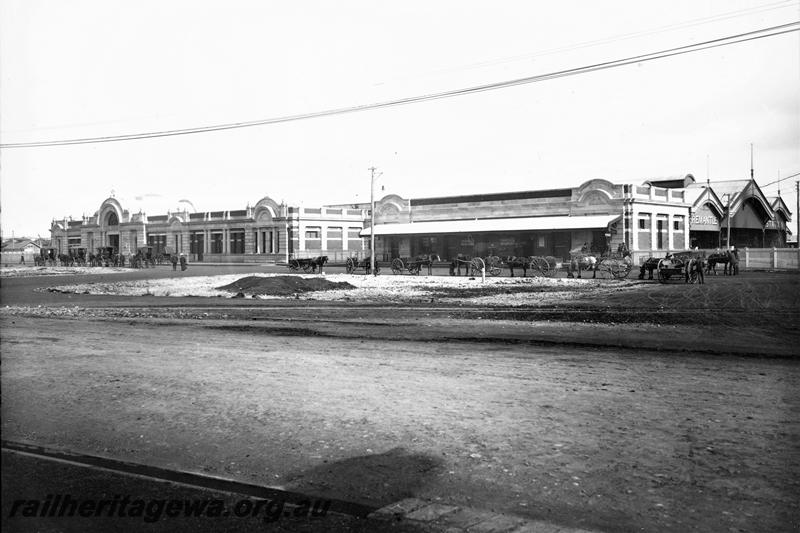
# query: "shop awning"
[495,224]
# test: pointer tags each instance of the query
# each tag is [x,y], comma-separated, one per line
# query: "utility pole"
[372,220]
[751,161]
[728,242]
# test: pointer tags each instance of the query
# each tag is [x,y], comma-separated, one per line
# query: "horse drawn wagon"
[687,266]
[476,266]
[353,264]
[308,264]
[539,266]
[617,264]
[414,265]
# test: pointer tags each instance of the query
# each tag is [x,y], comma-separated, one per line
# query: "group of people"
[175,260]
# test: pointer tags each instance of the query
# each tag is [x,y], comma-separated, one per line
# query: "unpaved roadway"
[488,410]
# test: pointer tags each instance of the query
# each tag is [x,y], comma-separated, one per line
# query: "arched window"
[112,219]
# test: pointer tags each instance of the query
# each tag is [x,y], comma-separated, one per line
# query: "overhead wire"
[625,36]
[642,58]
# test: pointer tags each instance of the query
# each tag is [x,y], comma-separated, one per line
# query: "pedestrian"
[734,260]
[183,263]
[22,259]
[174,259]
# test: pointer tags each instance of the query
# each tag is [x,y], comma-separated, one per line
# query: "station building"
[651,218]
[755,220]
[265,232]
[597,213]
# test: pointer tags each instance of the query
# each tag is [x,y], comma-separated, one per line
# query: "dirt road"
[615,440]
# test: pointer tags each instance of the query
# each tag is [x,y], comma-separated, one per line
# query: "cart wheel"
[618,269]
[307,267]
[540,265]
[693,276]
[349,265]
[294,264]
[494,265]
[476,266]
[397,266]
[662,276]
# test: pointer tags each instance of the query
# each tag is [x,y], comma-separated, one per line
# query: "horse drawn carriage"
[353,264]
[617,264]
[308,264]
[414,265]
[476,266]
[538,265]
[687,266]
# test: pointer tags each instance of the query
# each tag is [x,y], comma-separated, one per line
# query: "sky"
[94,68]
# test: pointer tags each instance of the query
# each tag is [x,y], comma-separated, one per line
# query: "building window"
[216,243]
[313,232]
[642,223]
[196,242]
[236,241]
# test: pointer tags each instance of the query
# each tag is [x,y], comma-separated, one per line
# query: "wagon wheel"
[476,266]
[493,265]
[692,276]
[294,264]
[540,265]
[662,276]
[552,264]
[350,265]
[308,267]
[617,268]
[397,266]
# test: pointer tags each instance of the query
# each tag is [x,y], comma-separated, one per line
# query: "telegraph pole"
[372,220]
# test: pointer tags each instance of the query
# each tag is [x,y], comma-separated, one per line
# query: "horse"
[518,262]
[581,259]
[650,264]
[318,262]
[716,258]
[456,264]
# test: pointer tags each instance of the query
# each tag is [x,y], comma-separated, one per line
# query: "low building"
[20,251]
[647,218]
[265,232]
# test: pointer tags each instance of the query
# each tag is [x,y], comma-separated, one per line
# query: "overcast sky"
[90,68]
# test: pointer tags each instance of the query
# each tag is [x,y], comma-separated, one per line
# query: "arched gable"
[110,212]
[595,191]
[779,208]
[266,209]
[752,196]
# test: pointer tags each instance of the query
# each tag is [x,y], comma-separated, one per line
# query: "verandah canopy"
[495,224]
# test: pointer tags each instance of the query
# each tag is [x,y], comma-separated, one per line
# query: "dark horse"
[518,262]
[318,262]
[729,259]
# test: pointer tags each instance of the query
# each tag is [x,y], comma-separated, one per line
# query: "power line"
[779,180]
[625,36]
[686,49]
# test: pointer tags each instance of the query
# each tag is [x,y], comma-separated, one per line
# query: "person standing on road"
[734,260]
[183,263]
[174,259]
